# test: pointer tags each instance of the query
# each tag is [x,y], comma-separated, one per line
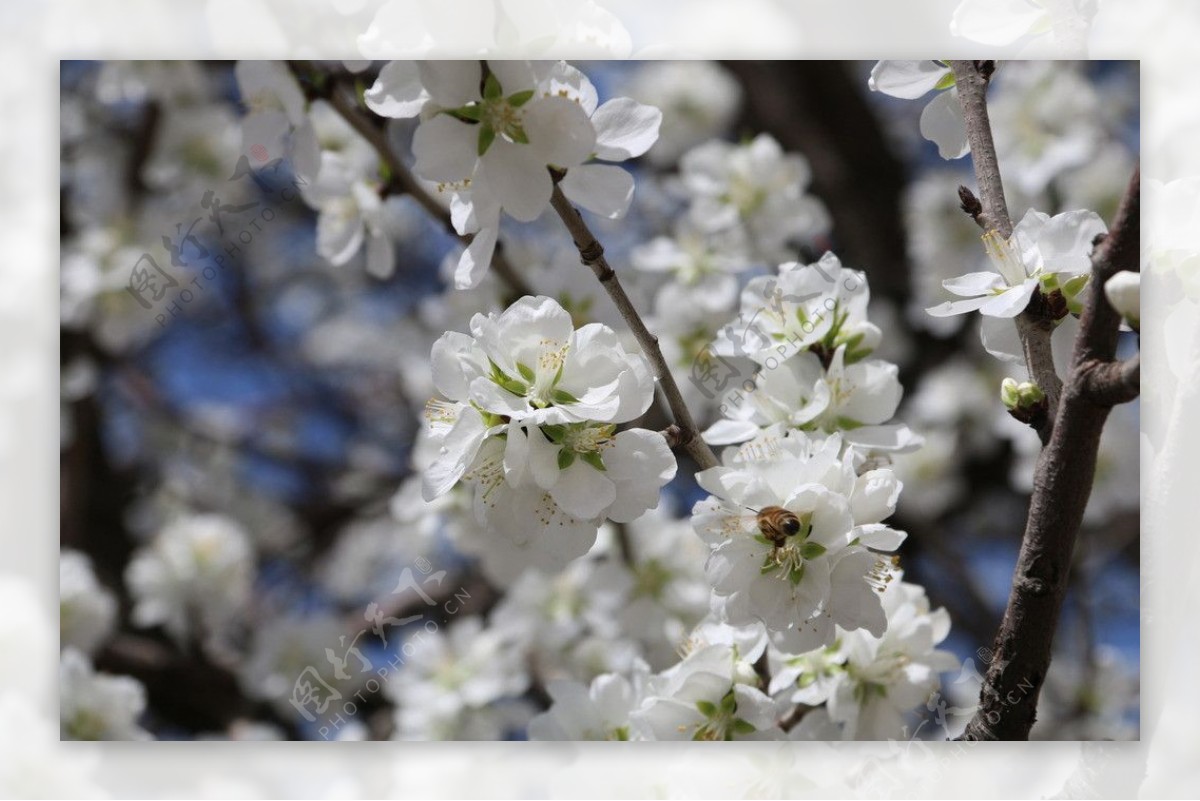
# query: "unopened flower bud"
[1124,292]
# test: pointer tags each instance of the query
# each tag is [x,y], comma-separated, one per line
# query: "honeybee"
[777,524]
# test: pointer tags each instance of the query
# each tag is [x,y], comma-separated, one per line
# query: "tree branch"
[591,253]
[1111,383]
[1062,483]
[1036,323]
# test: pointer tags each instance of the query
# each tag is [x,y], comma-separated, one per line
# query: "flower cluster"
[491,137]
[797,536]
[529,419]
[806,332]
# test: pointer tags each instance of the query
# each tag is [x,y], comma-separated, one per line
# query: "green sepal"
[491,87]
[811,550]
[566,458]
[707,708]
[946,82]
[561,396]
[487,135]
[520,98]
[741,726]
[471,113]
[526,372]
[593,458]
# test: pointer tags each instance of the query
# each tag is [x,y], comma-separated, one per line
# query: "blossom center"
[1005,257]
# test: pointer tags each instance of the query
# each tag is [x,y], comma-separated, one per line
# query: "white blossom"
[531,424]
[97,706]
[197,572]
[868,682]
[711,695]
[942,120]
[827,572]
[755,186]
[815,306]
[276,124]
[1042,250]
[447,675]
[350,212]
[86,608]
[599,711]
[698,100]
[491,146]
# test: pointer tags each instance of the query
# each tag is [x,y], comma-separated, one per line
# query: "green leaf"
[526,372]
[811,550]
[707,708]
[487,135]
[566,458]
[945,83]
[520,98]
[491,87]
[593,458]
[561,396]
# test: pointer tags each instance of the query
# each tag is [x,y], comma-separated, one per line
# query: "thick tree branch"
[1062,483]
[1111,383]
[1036,323]
[591,253]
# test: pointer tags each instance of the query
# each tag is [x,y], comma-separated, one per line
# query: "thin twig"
[591,253]
[1035,324]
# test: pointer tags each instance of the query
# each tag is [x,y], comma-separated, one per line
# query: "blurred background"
[238,437]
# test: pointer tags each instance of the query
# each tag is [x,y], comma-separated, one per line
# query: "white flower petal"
[1011,301]
[476,259]
[942,124]
[730,432]
[583,491]
[906,79]
[953,307]
[381,258]
[974,284]
[1000,338]
[1065,242]
[641,464]
[625,129]
[996,23]
[398,91]
[559,131]
[451,83]
[879,537]
[445,149]
[519,179]
[459,448]
[601,188]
